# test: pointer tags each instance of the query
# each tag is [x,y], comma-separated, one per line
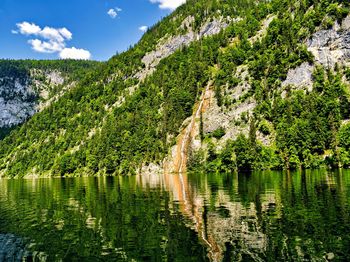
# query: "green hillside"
[126,114]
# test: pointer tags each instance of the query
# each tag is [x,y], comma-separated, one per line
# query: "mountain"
[215,86]
[28,86]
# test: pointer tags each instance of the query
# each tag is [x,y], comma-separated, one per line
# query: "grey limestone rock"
[21,98]
[12,248]
[300,77]
[331,46]
[170,45]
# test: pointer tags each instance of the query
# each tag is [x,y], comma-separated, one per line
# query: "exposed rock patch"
[331,46]
[12,248]
[16,101]
[243,86]
[169,45]
[14,112]
[55,78]
[345,122]
[22,97]
[212,28]
[216,118]
[299,78]
[187,22]
[346,23]
[151,169]
[264,139]
[262,32]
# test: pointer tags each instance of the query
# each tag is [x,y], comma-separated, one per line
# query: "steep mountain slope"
[126,116]
[291,98]
[27,87]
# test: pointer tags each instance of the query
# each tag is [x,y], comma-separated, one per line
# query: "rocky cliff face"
[13,248]
[168,45]
[331,46]
[328,47]
[17,101]
[22,96]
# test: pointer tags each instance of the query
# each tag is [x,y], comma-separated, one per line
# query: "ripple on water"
[271,216]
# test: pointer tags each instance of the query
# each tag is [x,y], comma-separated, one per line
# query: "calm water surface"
[270,216]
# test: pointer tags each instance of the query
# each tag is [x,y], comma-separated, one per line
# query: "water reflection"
[270,216]
[221,222]
[265,216]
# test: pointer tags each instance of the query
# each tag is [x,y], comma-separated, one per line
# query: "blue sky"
[87,29]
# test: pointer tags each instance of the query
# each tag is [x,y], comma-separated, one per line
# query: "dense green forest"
[75,69]
[89,131]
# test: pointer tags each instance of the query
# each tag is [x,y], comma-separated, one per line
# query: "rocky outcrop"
[300,77]
[242,74]
[169,45]
[17,101]
[263,30]
[12,249]
[55,77]
[22,97]
[230,120]
[151,169]
[331,46]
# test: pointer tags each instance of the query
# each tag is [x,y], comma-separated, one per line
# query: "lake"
[264,216]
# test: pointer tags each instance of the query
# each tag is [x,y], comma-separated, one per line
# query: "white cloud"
[26,28]
[75,53]
[58,35]
[46,46]
[168,4]
[143,28]
[54,34]
[65,33]
[51,40]
[113,12]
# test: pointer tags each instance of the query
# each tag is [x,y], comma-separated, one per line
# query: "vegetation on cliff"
[114,123]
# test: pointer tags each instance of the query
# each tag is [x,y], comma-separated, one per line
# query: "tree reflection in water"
[197,217]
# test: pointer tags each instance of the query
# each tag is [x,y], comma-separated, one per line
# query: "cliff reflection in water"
[265,216]
[225,217]
[222,222]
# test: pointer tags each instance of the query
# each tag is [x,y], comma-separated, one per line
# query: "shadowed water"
[269,216]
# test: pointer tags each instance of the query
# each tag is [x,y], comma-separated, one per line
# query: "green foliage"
[90,134]
[306,123]
[347,73]
[309,122]
[244,156]
[75,69]
[112,123]
[264,128]
[344,157]
[344,136]
[218,133]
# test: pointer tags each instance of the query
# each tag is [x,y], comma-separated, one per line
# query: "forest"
[88,131]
